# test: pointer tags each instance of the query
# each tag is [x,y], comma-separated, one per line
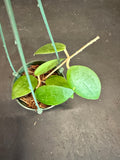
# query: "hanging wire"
[47,27]
[19,46]
[6,51]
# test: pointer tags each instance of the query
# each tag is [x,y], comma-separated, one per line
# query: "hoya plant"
[55,89]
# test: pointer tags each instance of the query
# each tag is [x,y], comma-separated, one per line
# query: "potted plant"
[51,87]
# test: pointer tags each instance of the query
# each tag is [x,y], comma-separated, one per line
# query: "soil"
[28,99]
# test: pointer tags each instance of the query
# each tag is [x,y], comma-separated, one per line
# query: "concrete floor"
[78,129]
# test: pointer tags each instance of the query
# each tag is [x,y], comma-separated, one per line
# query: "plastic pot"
[19,73]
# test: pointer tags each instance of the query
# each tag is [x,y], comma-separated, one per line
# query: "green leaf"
[45,67]
[21,87]
[53,95]
[84,82]
[48,48]
[57,80]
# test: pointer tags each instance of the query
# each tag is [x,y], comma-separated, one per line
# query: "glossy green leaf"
[48,48]
[84,82]
[53,95]
[45,67]
[57,80]
[21,87]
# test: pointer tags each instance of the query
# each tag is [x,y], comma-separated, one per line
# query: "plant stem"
[66,52]
[67,60]
[85,46]
[55,69]
[39,82]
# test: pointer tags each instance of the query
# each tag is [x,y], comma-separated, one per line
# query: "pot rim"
[21,69]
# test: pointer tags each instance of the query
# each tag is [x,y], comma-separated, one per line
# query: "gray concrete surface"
[78,129]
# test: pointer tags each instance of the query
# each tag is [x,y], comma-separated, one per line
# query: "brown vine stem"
[74,54]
